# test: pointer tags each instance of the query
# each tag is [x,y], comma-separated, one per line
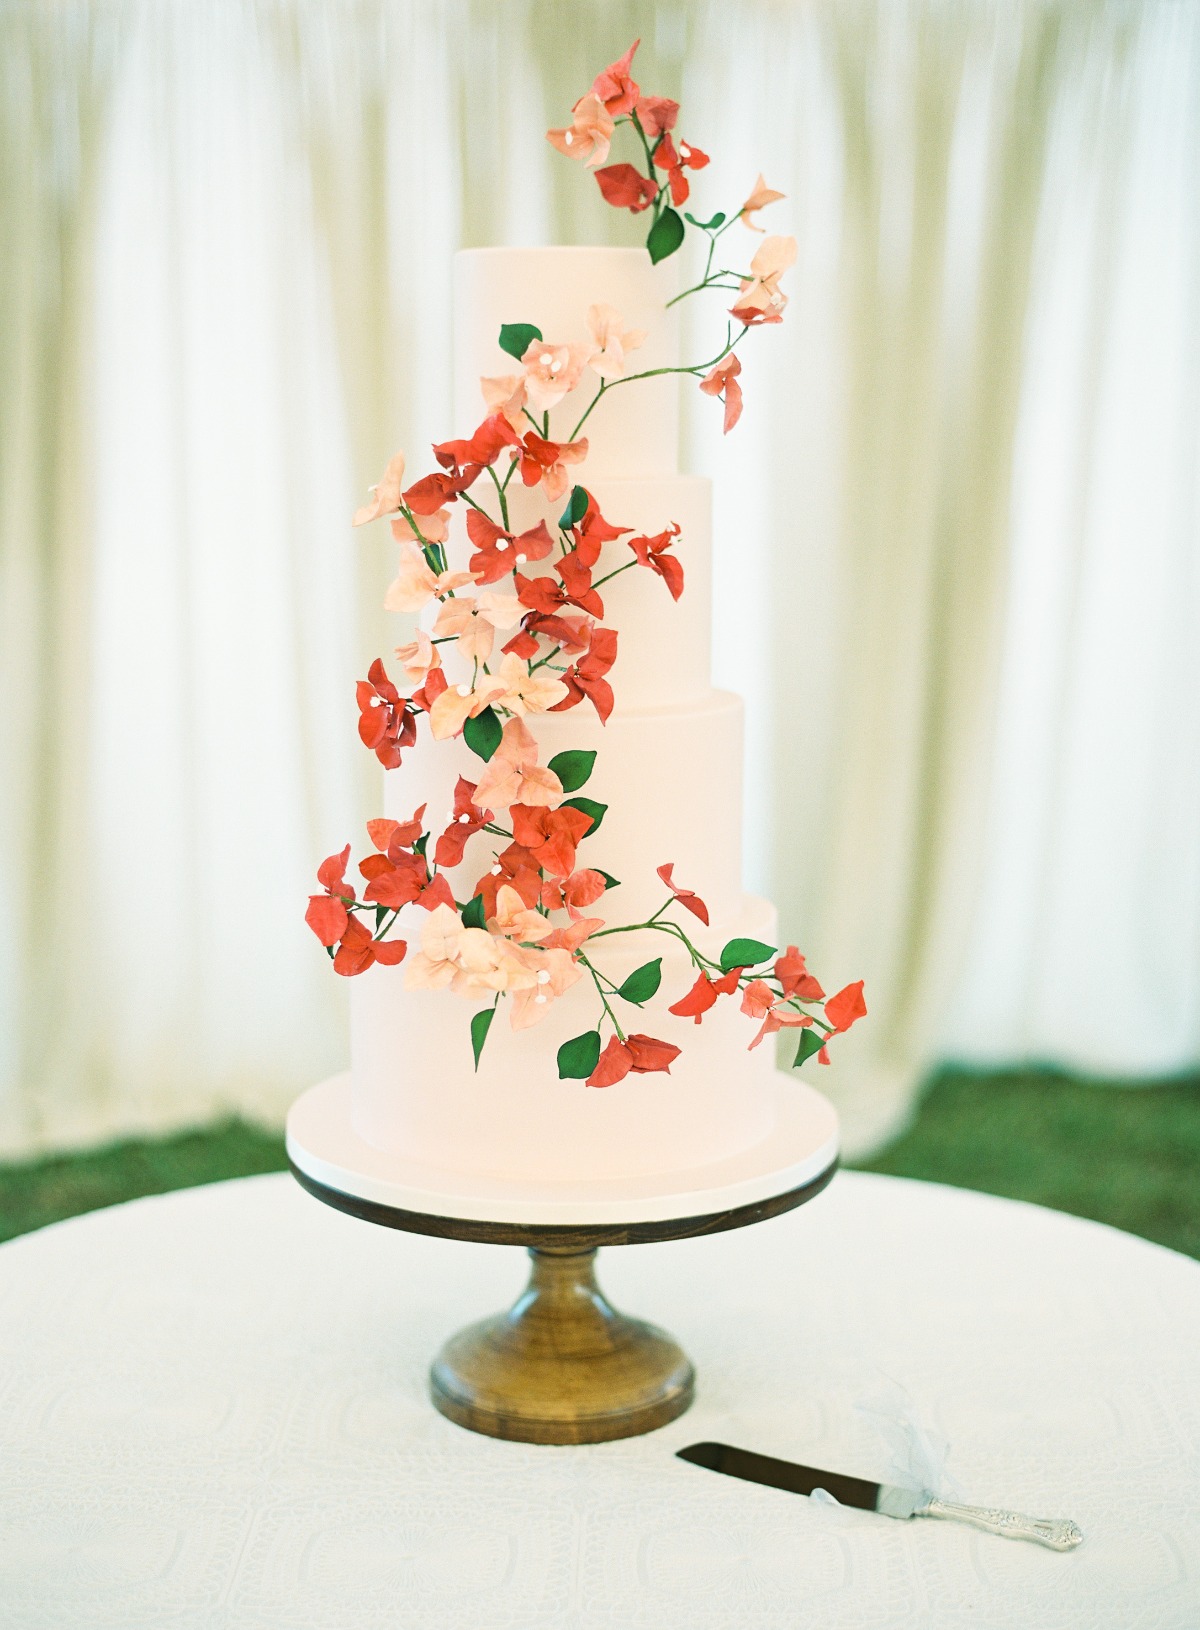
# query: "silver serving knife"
[1058,1533]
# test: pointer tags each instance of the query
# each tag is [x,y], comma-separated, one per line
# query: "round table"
[214,1414]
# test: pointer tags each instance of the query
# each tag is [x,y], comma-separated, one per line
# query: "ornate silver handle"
[1059,1533]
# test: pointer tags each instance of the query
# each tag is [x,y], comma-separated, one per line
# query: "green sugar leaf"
[472,913]
[577,1057]
[642,982]
[745,954]
[481,1023]
[572,768]
[811,1041]
[576,508]
[706,226]
[610,881]
[482,733]
[516,338]
[665,236]
[589,806]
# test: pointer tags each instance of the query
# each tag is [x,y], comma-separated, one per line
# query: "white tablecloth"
[213,1413]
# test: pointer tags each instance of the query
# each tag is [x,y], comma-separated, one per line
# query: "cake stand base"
[562,1366]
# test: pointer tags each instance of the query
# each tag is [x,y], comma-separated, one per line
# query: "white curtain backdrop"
[957,557]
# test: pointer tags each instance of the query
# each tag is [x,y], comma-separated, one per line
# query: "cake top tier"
[633,432]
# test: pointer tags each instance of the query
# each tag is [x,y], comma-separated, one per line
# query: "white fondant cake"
[669,767]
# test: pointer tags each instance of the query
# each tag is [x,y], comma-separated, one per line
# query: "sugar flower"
[416,584]
[547,461]
[385,499]
[458,703]
[434,528]
[554,971]
[418,657]
[436,963]
[514,919]
[614,86]
[625,187]
[761,196]
[656,114]
[590,134]
[761,299]
[506,395]
[514,776]
[722,382]
[551,371]
[525,692]
[612,339]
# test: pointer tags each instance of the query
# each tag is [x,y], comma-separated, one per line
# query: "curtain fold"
[956,532]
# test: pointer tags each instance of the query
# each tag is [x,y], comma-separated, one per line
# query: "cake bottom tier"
[416,1093]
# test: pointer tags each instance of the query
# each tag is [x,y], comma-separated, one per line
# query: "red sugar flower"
[794,978]
[575,892]
[626,188]
[652,552]
[686,897]
[675,161]
[722,382]
[386,722]
[327,915]
[641,1054]
[396,835]
[847,1006]
[586,676]
[546,461]
[614,86]
[516,867]
[550,835]
[467,819]
[656,114]
[484,447]
[358,951]
[498,551]
[401,881]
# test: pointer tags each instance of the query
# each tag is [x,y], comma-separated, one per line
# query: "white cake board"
[323,1145]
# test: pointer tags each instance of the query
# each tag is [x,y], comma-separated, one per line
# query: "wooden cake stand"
[562,1365]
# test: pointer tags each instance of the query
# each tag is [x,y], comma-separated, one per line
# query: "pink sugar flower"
[514,776]
[723,382]
[506,395]
[613,340]
[514,919]
[416,584]
[761,299]
[385,495]
[590,134]
[615,88]
[761,196]
[657,115]
[551,371]
[418,657]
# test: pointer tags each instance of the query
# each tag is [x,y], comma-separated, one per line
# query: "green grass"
[1124,1154]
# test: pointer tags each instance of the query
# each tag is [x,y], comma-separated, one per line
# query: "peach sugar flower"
[416,584]
[458,703]
[514,919]
[418,657]
[758,199]
[385,495]
[554,971]
[551,371]
[590,134]
[612,339]
[506,395]
[468,960]
[514,776]
[525,692]
[435,528]
[722,382]
[473,620]
[761,300]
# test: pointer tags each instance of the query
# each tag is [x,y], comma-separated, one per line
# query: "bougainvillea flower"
[390,837]
[675,160]
[573,893]
[513,919]
[404,881]
[458,619]
[656,115]
[513,775]
[506,394]
[434,528]
[466,819]
[448,950]
[483,448]
[691,901]
[497,551]
[550,835]
[641,1054]
[761,300]
[554,971]
[385,495]
[761,196]
[758,999]
[525,692]
[327,915]
[794,978]
[386,722]
[593,530]
[551,371]
[576,577]
[652,552]
[512,865]
[626,188]
[698,1000]
[426,497]
[415,584]
[847,1006]
[614,86]
[779,1017]
[590,134]
[546,461]
[418,656]
[573,634]
[722,382]
[435,683]
[458,703]
[573,936]
[358,951]
[613,341]
[586,677]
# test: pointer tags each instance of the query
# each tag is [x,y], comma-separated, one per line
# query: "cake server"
[1059,1533]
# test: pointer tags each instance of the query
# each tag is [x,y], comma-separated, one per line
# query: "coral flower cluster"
[513,627]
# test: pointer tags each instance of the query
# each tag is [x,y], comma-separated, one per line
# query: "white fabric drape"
[956,531]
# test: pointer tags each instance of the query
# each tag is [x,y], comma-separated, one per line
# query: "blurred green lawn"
[1124,1154]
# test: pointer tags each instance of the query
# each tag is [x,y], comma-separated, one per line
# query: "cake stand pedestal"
[562,1365]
